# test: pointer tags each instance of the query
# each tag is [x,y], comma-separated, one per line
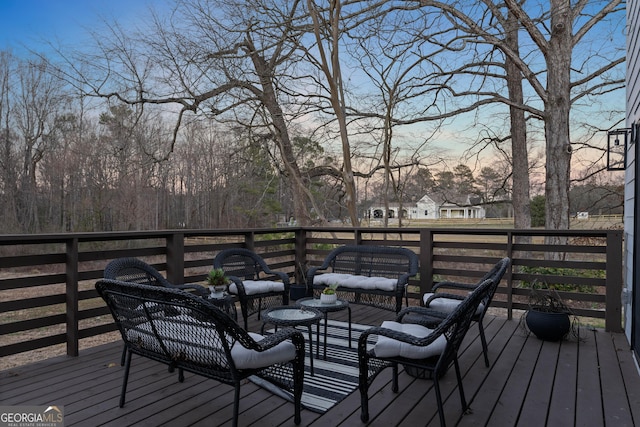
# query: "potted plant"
[299,290]
[548,317]
[328,295]
[218,282]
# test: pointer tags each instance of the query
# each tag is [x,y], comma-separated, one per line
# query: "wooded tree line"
[226,113]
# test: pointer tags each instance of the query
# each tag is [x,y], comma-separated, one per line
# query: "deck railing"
[47,297]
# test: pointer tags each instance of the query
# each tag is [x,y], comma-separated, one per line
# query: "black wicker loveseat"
[188,333]
[371,275]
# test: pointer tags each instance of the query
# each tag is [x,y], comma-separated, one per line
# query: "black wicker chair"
[134,270]
[429,351]
[190,334]
[442,302]
[252,281]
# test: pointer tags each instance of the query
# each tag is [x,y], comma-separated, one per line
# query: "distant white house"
[428,208]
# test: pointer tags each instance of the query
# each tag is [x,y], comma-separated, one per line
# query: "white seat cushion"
[176,339]
[245,358]
[446,305]
[355,281]
[253,287]
[389,347]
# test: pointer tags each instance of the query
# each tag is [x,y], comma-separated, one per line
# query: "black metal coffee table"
[291,316]
[325,308]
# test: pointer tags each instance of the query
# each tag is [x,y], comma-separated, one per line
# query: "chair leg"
[364,406]
[483,339]
[124,355]
[436,385]
[394,382]
[236,404]
[463,400]
[364,390]
[245,316]
[127,365]
[298,385]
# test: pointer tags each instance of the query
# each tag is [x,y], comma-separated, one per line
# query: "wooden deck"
[530,383]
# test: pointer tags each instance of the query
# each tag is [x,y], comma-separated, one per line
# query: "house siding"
[631,190]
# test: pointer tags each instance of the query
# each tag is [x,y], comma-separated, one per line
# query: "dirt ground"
[20,359]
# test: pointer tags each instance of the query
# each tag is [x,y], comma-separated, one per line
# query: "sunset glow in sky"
[40,25]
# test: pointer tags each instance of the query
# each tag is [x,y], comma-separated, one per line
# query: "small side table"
[226,303]
[290,316]
[324,308]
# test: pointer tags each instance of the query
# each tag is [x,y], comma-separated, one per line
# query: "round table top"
[291,316]
[340,304]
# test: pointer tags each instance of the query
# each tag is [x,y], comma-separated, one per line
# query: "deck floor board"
[529,383]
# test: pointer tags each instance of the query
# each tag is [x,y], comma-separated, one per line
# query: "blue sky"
[31,23]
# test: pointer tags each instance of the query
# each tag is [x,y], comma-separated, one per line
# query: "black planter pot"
[548,326]
[297,291]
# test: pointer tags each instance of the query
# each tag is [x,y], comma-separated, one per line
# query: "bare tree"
[521,191]
[397,66]
[231,62]
[329,28]
[8,153]
[558,66]
[37,99]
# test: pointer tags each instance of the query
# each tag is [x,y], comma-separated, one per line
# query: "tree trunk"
[557,107]
[521,197]
[331,70]
[282,138]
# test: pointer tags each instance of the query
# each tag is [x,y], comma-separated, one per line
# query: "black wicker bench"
[190,334]
[371,275]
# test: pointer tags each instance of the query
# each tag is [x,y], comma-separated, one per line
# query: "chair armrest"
[283,334]
[443,295]
[311,274]
[422,311]
[280,274]
[453,285]
[396,335]
[422,316]
[242,294]
[403,279]
[197,289]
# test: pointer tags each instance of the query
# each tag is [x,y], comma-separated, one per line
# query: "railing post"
[72,297]
[175,258]
[426,261]
[249,241]
[613,310]
[300,261]
[357,236]
[508,276]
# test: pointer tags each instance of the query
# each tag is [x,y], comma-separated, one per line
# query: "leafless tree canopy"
[238,113]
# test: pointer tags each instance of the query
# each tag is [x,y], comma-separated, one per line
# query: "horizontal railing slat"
[445,253]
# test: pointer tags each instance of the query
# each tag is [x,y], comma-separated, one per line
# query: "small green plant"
[331,289]
[548,301]
[217,278]
[324,246]
[551,274]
